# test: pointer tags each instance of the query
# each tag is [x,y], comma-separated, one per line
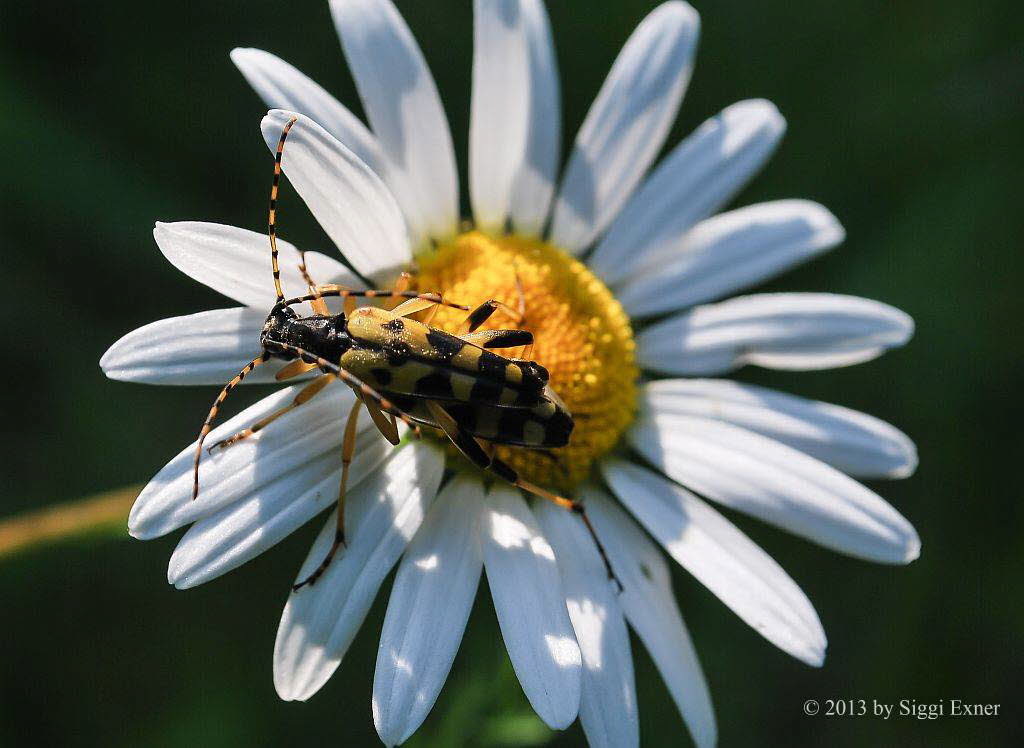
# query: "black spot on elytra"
[405,403]
[435,384]
[396,325]
[464,414]
[492,365]
[444,345]
[383,376]
[557,429]
[485,391]
[526,398]
[510,425]
[396,352]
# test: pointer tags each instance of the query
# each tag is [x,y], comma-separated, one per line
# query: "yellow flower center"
[581,336]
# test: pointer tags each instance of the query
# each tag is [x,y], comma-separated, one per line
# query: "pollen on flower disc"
[582,337]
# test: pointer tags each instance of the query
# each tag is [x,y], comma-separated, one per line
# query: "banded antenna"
[272,220]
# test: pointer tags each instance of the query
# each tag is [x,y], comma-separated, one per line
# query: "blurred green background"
[904,118]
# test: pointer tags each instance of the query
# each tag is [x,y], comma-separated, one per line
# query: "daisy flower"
[623,268]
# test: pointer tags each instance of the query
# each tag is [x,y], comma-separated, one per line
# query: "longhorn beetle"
[410,371]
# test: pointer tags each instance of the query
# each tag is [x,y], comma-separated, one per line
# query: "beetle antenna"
[272,221]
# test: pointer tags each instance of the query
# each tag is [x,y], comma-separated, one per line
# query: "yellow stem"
[52,523]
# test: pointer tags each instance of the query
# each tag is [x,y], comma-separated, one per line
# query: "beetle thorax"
[319,335]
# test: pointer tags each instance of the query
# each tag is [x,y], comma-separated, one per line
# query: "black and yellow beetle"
[404,369]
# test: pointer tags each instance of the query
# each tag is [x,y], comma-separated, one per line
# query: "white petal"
[528,600]
[507,36]
[534,183]
[264,467]
[700,175]
[349,201]
[241,531]
[430,604]
[499,114]
[320,621]
[405,112]
[776,483]
[651,609]
[236,262]
[856,443]
[203,348]
[731,251]
[796,331]
[608,697]
[627,124]
[723,559]
[281,86]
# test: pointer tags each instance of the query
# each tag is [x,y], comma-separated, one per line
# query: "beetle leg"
[318,304]
[349,305]
[361,388]
[521,305]
[348,448]
[402,283]
[466,444]
[304,395]
[429,319]
[576,507]
[294,369]
[483,312]
[411,306]
[527,352]
[388,427]
[499,338]
[480,457]
[305,271]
